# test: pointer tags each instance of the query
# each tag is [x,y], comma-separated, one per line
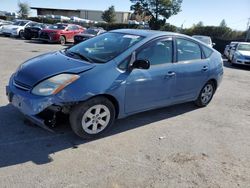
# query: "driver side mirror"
[140,64]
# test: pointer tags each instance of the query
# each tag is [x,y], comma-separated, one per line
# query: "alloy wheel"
[207,93]
[96,119]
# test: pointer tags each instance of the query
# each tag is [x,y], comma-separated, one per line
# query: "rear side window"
[207,51]
[187,50]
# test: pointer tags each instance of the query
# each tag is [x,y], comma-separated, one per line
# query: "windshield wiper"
[80,55]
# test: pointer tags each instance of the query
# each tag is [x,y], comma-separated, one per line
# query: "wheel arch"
[214,81]
[112,99]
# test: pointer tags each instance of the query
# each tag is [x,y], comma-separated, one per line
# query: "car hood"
[44,66]
[244,53]
[9,27]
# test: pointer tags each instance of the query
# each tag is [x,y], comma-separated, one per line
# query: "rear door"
[192,69]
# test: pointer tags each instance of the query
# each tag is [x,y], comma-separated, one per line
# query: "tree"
[109,15]
[24,10]
[139,13]
[199,24]
[160,10]
[223,23]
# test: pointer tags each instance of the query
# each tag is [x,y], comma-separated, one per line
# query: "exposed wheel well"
[214,82]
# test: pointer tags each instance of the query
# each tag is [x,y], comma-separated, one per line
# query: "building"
[95,15]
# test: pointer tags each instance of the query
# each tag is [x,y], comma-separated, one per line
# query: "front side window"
[187,50]
[20,23]
[159,52]
[103,48]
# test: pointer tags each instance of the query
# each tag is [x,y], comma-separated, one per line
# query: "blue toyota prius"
[114,75]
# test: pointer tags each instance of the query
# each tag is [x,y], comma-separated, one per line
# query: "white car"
[241,54]
[232,47]
[205,39]
[17,28]
[2,23]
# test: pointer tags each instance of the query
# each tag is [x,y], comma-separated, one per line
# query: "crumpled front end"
[33,107]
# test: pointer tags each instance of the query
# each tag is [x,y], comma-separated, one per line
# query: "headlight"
[54,84]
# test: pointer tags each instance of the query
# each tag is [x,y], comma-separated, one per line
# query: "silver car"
[241,54]
[205,39]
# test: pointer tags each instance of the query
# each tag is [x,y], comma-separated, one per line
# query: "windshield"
[206,40]
[244,47]
[103,48]
[91,31]
[20,23]
[58,26]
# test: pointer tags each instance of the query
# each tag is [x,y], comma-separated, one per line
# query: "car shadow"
[227,64]
[21,141]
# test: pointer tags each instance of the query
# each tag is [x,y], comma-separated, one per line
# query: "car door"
[192,69]
[151,88]
[69,33]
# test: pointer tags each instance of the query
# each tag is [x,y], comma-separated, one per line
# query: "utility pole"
[248,30]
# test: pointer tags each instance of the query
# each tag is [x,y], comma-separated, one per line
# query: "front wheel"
[62,40]
[92,118]
[21,34]
[205,95]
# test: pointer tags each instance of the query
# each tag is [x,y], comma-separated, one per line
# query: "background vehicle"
[3,23]
[242,54]
[114,75]
[232,47]
[60,33]
[87,34]
[205,39]
[226,51]
[33,31]
[17,28]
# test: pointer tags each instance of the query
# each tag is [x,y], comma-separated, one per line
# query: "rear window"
[207,51]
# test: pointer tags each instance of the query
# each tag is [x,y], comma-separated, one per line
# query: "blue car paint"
[135,91]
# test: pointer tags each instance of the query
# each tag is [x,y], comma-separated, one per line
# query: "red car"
[60,33]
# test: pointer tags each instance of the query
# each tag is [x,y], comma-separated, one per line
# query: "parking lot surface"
[178,146]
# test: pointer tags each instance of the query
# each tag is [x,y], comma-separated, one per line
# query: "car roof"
[20,20]
[201,36]
[147,33]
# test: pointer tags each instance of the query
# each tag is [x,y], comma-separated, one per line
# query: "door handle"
[205,68]
[170,74]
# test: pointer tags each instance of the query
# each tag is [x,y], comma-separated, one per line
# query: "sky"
[210,12]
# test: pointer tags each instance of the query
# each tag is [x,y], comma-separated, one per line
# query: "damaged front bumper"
[32,106]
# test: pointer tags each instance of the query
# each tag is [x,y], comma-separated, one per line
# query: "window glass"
[157,53]
[207,51]
[187,50]
[103,48]
[75,27]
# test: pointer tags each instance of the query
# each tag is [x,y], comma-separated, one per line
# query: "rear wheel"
[62,40]
[92,118]
[206,94]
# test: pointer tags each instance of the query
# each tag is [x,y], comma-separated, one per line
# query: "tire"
[21,34]
[92,118]
[206,94]
[62,40]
